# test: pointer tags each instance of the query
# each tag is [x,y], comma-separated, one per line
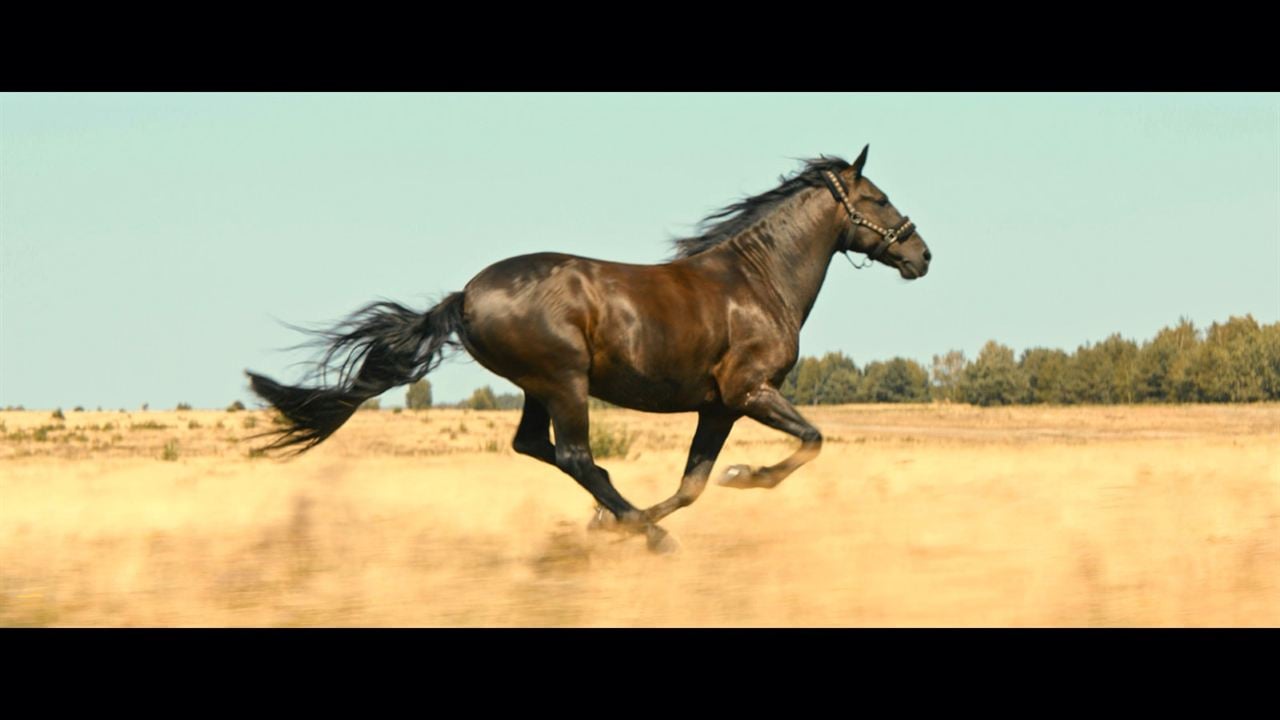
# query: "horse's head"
[874,226]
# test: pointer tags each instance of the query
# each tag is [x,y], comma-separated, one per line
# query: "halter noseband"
[889,237]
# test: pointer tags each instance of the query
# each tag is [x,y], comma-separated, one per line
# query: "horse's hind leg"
[767,406]
[534,439]
[568,410]
[713,430]
[532,436]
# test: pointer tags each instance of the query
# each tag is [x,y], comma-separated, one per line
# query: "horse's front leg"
[766,405]
[713,429]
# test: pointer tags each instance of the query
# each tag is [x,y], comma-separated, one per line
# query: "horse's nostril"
[928,256]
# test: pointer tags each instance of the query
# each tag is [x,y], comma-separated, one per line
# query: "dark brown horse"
[714,332]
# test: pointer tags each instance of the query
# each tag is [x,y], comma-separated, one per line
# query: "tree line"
[419,398]
[1234,361]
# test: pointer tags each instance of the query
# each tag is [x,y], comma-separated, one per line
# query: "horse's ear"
[862,160]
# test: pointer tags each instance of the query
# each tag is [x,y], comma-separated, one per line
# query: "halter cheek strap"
[888,237]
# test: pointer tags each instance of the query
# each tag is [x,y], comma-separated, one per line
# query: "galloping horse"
[714,331]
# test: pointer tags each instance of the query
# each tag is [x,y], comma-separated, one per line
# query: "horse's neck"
[790,251]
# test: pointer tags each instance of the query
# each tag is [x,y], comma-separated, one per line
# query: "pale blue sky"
[149,243]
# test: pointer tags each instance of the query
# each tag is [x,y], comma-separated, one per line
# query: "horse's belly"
[651,391]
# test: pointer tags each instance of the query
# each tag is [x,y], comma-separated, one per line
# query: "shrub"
[184,406]
[170,451]
[609,442]
[485,399]
[57,415]
[371,404]
[419,395]
[509,401]
[235,406]
[482,399]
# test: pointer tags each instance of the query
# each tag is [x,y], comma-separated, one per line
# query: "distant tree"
[235,406]
[1269,341]
[1045,370]
[1121,360]
[946,374]
[482,399]
[371,404]
[829,380]
[1231,364]
[419,395]
[993,378]
[802,383]
[1082,379]
[839,379]
[898,380]
[183,406]
[840,386]
[1160,370]
[509,401]
[1105,372]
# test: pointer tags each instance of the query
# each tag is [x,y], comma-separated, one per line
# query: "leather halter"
[889,237]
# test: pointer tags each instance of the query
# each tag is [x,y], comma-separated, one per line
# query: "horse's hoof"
[660,541]
[738,476]
[603,520]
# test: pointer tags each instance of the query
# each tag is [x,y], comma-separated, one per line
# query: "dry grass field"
[912,516]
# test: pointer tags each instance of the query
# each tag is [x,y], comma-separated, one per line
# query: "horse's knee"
[811,436]
[575,461]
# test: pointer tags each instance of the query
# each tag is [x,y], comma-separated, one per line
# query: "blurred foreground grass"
[913,515]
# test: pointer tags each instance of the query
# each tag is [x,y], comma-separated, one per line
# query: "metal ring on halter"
[855,265]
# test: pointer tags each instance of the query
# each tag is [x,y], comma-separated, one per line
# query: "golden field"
[933,515]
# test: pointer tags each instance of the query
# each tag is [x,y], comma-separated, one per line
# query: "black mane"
[733,219]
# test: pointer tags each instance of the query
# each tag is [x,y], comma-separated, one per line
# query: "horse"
[714,330]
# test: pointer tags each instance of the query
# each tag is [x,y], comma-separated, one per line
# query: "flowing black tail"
[390,344]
